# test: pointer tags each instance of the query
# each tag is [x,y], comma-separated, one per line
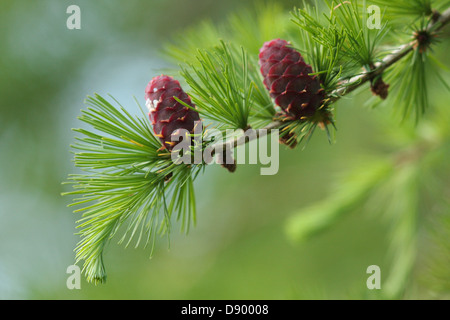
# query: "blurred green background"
[240,248]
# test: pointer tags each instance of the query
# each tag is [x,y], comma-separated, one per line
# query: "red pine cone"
[166,114]
[286,77]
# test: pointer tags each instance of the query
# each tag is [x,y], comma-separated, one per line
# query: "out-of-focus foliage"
[397,187]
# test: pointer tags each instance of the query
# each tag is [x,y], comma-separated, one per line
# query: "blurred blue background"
[239,248]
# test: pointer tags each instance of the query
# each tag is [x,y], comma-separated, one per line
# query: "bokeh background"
[240,248]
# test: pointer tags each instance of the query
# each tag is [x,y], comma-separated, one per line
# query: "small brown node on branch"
[379,87]
[230,167]
[423,40]
[435,16]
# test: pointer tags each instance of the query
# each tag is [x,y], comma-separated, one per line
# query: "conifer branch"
[355,82]
[128,176]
